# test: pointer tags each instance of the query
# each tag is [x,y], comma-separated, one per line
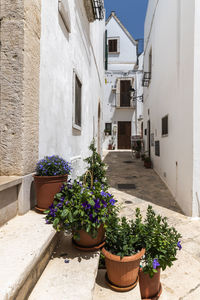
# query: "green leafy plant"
[96,166]
[52,166]
[160,241]
[123,237]
[79,207]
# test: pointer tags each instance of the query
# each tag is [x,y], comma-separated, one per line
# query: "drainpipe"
[106,50]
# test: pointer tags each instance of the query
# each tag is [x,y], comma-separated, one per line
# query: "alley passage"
[129,175]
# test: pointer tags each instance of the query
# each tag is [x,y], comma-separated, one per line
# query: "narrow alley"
[181,281]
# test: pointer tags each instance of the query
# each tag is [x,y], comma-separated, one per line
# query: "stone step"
[26,244]
[69,275]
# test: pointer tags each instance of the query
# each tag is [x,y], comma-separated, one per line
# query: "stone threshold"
[9,181]
[26,244]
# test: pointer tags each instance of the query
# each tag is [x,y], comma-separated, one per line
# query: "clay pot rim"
[125,258]
[54,176]
[158,268]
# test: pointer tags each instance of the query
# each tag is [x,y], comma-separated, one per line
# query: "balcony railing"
[98,8]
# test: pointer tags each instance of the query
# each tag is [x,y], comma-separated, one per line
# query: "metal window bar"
[146,79]
[98,8]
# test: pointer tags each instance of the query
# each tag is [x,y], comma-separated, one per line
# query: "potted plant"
[51,172]
[137,155]
[96,167]
[83,211]
[161,243]
[143,157]
[123,251]
[147,162]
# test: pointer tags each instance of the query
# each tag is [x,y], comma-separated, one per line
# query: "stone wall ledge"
[9,181]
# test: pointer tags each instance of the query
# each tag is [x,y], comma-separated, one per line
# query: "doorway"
[124,135]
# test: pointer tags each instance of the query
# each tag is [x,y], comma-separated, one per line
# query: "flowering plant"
[79,207]
[160,241]
[52,166]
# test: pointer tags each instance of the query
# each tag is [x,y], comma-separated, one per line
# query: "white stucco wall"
[171,92]
[196,114]
[61,53]
[127,56]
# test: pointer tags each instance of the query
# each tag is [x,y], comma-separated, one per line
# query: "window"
[77,103]
[150,62]
[125,86]
[108,128]
[113,45]
[157,148]
[165,125]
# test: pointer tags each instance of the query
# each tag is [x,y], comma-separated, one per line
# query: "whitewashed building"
[122,113]
[52,87]
[171,97]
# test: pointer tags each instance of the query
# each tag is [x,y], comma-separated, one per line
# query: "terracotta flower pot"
[147,164]
[86,241]
[46,188]
[150,288]
[122,272]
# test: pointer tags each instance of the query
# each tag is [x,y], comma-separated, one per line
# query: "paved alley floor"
[182,280]
[146,184]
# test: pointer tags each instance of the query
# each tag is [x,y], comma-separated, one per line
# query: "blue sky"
[130,12]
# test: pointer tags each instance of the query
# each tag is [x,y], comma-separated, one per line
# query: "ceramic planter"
[122,273]
[46,188]
[87,243]
[150,288]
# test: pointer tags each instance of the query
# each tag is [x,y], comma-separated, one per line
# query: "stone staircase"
[30,248]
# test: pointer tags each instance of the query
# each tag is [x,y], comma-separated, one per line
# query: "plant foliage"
[96,166]
[160,241]
[123,237]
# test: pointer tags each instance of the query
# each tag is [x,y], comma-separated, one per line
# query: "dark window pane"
[112,45]
[108,128]
[157,148]
[165,125]
[125,86]
[77,102]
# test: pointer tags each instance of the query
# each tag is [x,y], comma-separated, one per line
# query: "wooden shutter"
[125,86]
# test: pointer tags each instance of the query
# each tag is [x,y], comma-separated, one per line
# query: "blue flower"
[59,205]
[179,245]
[155,263]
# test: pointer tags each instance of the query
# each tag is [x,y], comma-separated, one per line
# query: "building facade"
[52,80]
[171,97]
[122,114]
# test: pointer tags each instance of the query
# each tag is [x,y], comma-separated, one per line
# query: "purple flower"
[97,204]
[179,245]
[47,222]
[86,205]
[112,201]
[155,263]
[62,198]
[104,203]
[66,202]
[59,205]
